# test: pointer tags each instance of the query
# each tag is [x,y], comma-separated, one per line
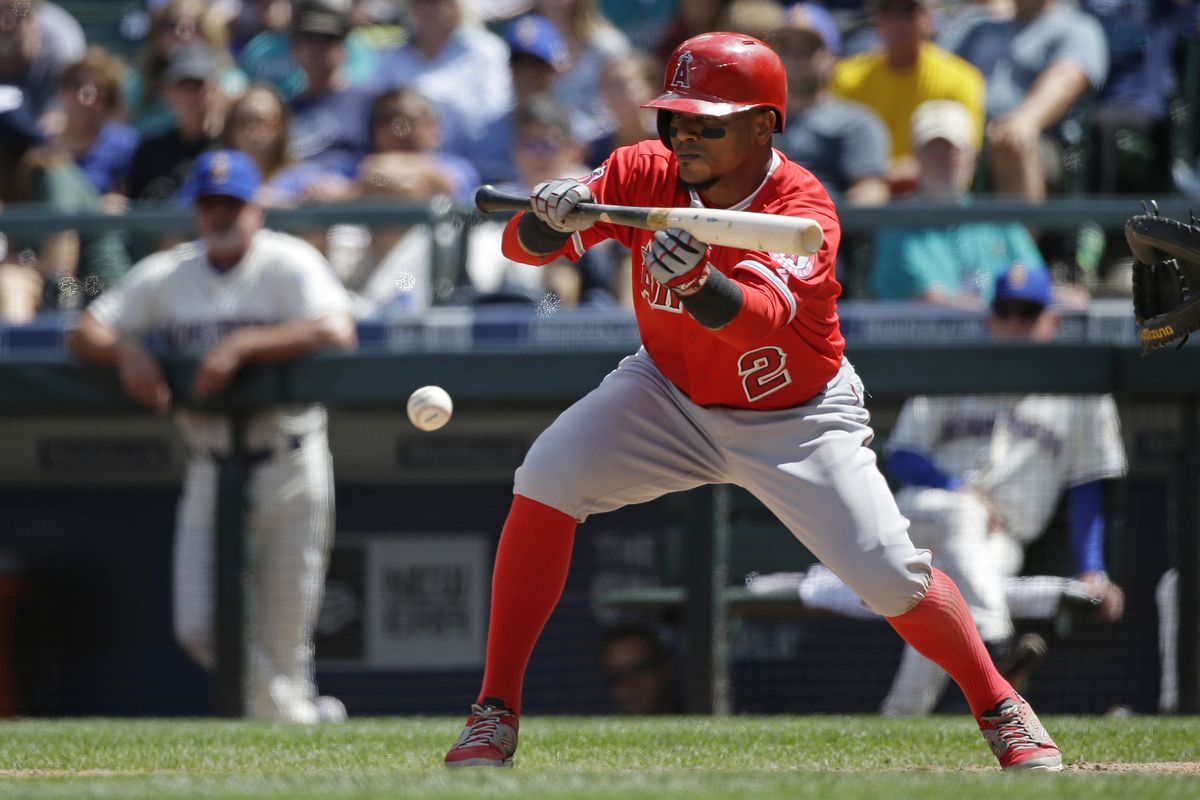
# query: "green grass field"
[656,759]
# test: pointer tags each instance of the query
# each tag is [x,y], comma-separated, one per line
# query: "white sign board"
[427,601]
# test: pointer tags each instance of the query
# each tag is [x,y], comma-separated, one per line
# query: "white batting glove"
[554,200]
[678,260]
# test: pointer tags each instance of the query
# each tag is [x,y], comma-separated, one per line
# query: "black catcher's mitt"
[1166,277]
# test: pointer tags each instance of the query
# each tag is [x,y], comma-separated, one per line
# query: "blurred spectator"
[172,25]
[268,56]
[258,125]
[592,44]
[543,148]
[961,17]
[757,18]
[1129,121]
[638,670]
[460,66]
[255,17]
[905,72]
[628,84]
[843,143]
[490,12]
[18,132]
[644,22]
[161,163]
[389,269]
[25,62]
[103,147]
[1038,65]
[691,17]
[956,265]
[403,122]
[329,117]
[18,128]
[63,39]
[537,55]
[64,270]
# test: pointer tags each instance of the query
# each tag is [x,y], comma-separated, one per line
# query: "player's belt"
[288,444]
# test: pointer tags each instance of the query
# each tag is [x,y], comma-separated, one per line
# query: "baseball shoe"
[1023,660]
[489,738]
[1017,738]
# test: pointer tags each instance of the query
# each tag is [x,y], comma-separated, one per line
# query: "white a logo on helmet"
[680,78]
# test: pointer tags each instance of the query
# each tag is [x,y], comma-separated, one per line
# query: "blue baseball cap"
[535,35]
[224,173]
[1030,283]
[812,17]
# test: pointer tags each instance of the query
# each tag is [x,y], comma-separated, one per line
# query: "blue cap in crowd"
[228,173]
[812,17]
[535,35]
[1029,283]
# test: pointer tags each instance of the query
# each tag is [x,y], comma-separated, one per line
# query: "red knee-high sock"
[531,569]
[940,628]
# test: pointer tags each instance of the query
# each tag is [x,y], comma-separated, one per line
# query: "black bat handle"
[489,199]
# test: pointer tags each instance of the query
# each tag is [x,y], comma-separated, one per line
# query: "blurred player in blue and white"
[239,295]
[980,478]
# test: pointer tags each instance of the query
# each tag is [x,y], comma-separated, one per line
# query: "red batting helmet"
[721,73]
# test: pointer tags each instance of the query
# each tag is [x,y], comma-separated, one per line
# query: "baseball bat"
[746,229]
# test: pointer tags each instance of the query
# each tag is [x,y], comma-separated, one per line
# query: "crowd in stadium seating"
[416,99]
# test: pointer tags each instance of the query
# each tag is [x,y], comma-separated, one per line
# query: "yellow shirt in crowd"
[895,94]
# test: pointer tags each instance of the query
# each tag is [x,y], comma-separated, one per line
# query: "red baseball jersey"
[784,345]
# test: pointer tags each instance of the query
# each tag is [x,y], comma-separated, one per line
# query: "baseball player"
[982,476]
[740,379]
[239,295]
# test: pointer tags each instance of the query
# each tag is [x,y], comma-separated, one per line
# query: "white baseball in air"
[430,407]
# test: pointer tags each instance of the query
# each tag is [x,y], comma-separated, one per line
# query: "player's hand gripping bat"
[746,229]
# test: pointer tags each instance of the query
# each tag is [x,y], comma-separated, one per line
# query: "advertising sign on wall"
[427,601]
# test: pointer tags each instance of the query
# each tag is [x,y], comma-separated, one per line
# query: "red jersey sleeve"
[778,287]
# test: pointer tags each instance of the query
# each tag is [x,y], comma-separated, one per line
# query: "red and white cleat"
[1017,738]
[488,740]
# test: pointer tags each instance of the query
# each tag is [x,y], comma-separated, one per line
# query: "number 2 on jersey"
[763,372]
